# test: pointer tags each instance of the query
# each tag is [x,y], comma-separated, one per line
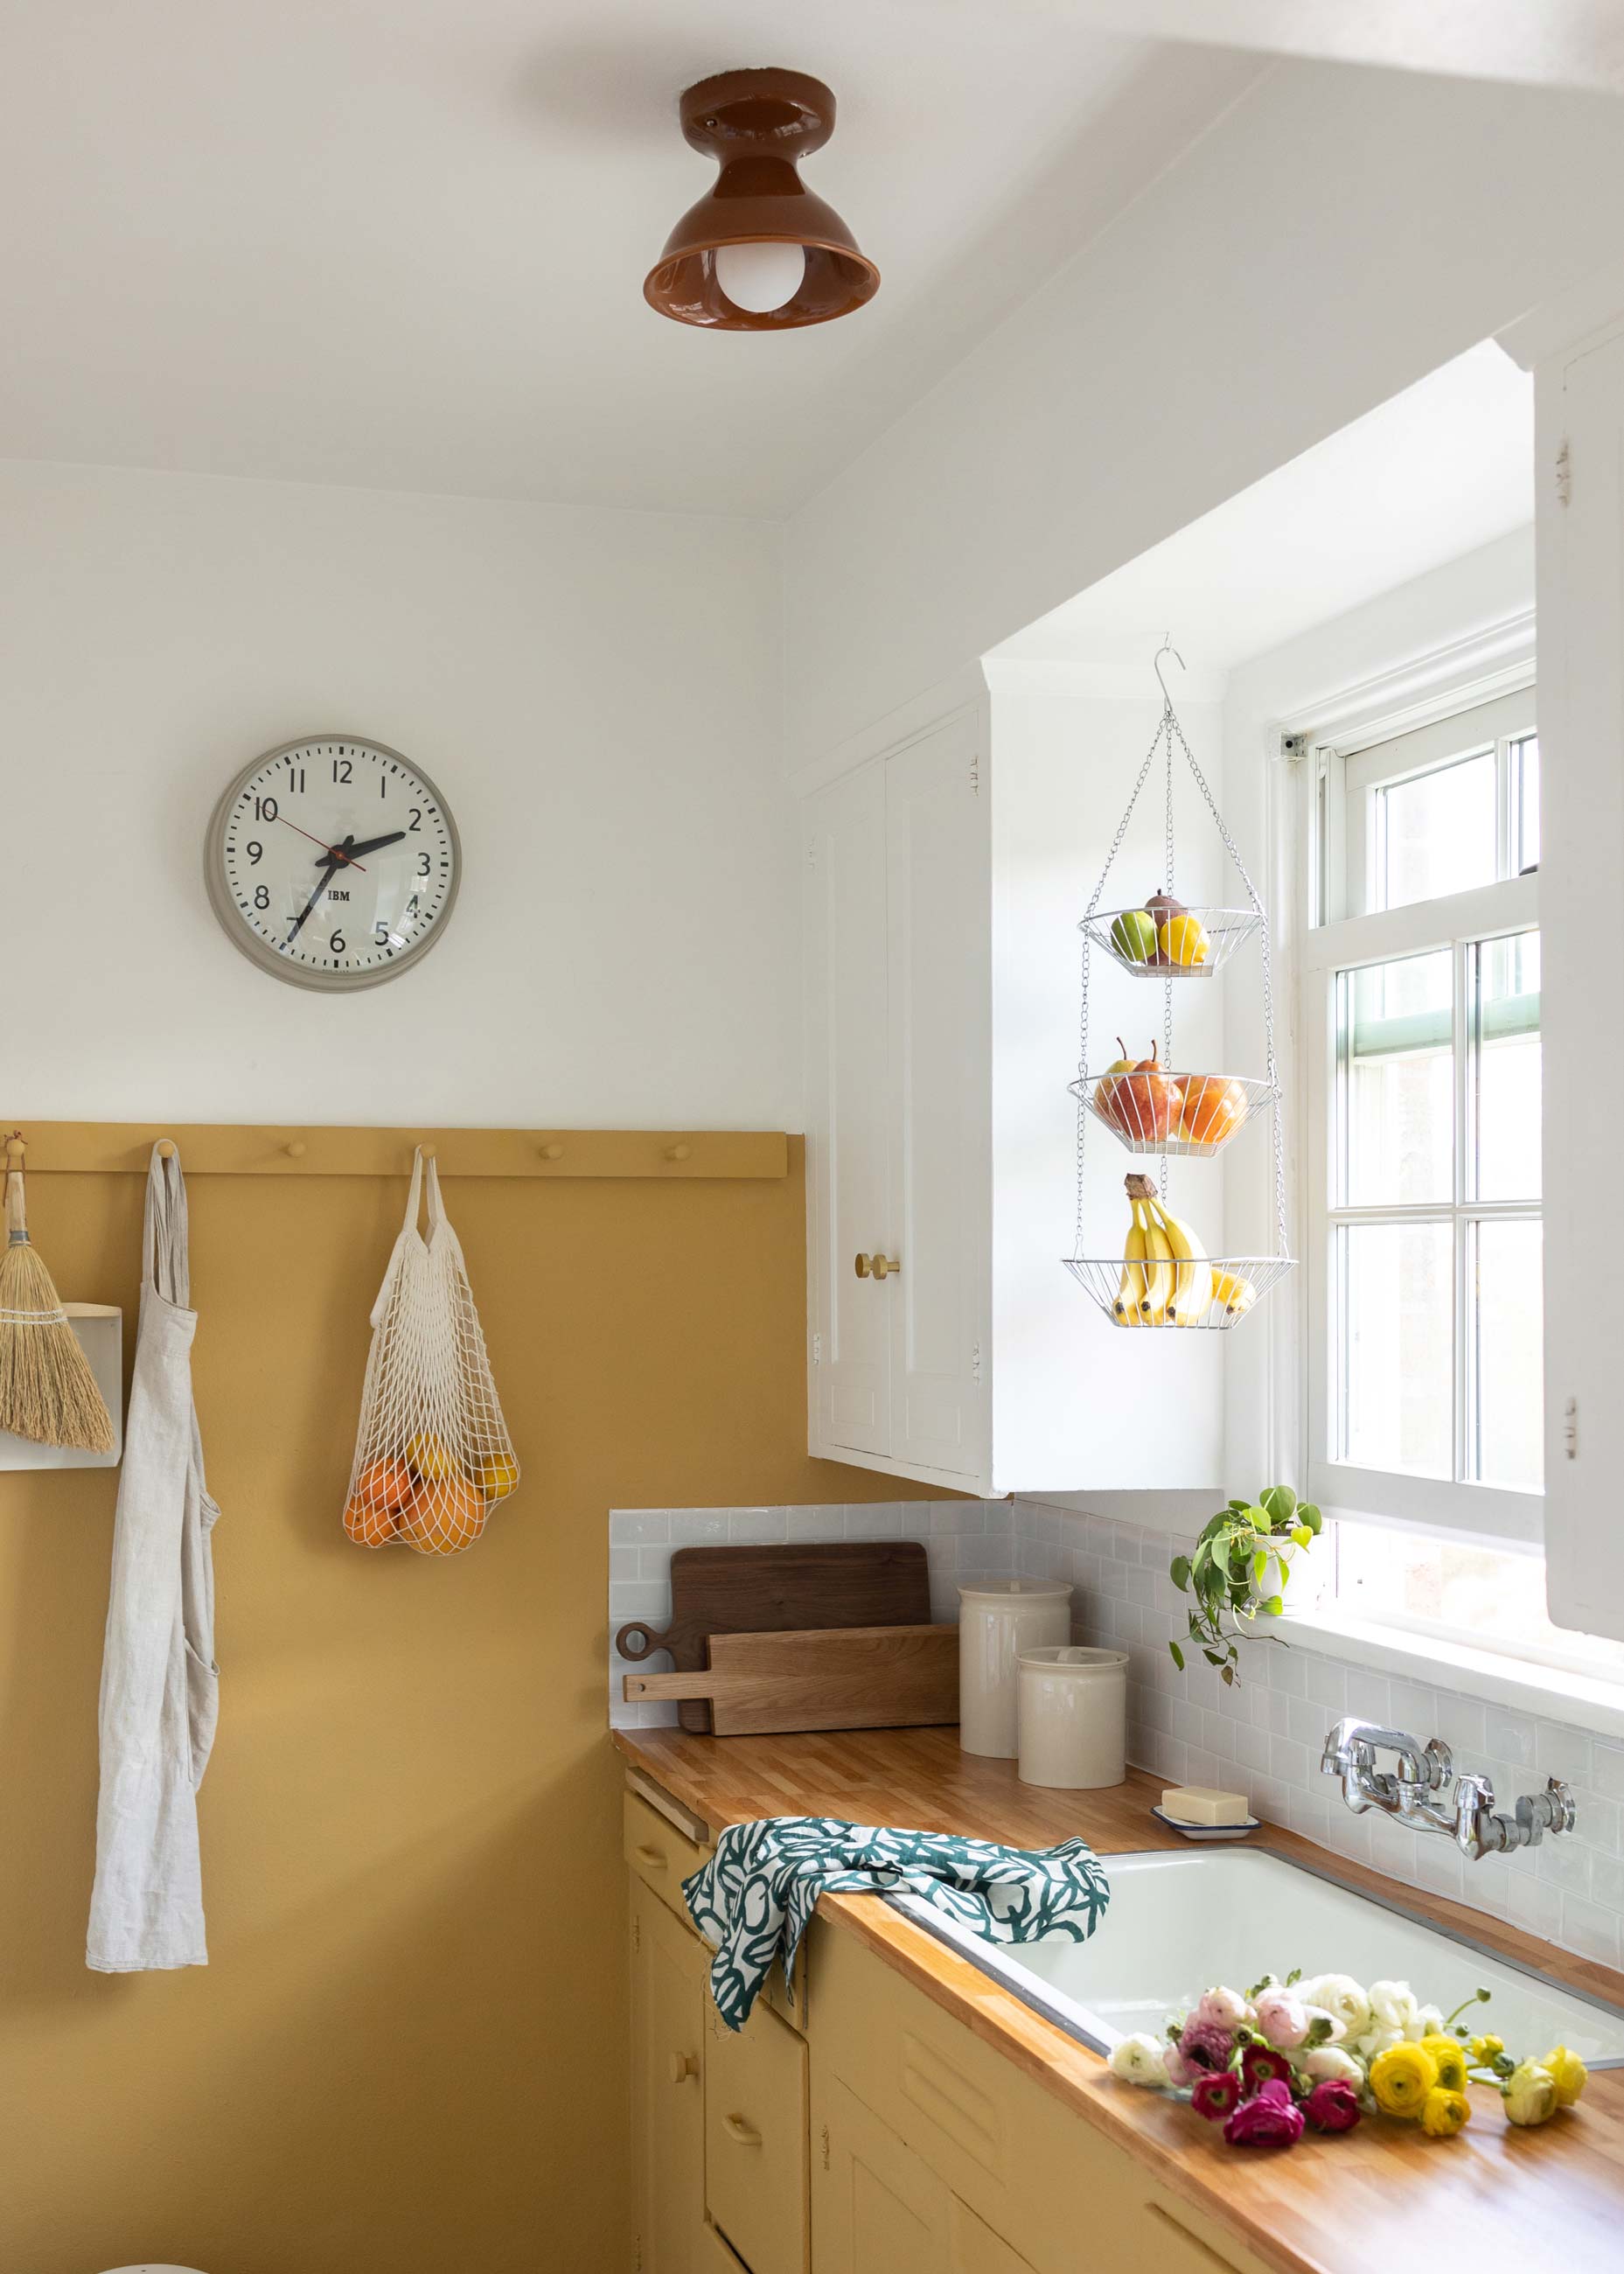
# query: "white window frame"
[1456,923]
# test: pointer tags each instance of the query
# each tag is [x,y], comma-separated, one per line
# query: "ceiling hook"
[1166,647]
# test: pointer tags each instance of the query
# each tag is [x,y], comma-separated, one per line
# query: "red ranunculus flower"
[1270,2118]
[1262,2065]
[1332,2106]
[1215,2095]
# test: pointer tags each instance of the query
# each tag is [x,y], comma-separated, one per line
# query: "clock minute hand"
[350,853]
[330,870]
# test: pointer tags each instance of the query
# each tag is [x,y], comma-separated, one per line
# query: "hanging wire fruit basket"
[1164,939]
[1163,1277]
[1149,1110]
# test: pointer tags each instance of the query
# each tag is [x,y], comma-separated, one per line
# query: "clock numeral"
[416,823]
[336,943]
[341,769]
[256,851]
[265,809]
[411,905]
[424,864]
[380,933]
[262,897]
[296,777]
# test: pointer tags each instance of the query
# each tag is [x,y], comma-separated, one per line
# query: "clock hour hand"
[350,852]
[330,870]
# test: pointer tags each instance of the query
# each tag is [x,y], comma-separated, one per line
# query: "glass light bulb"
[759,278]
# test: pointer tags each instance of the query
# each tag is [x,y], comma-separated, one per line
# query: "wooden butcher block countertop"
[1384,2197]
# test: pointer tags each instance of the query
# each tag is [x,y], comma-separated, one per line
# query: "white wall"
[1338,234]
[597,696]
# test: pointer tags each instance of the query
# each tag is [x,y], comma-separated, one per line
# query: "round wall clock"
[333,861]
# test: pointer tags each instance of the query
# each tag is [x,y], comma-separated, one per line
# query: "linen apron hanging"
[160,1685]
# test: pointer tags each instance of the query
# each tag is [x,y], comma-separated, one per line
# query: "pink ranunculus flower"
[1205,2045]
[1282,2018]
[1332,2106]
[1216,2096]
[1262,2065]
[1225,2009]
[1270,2118]
[1181,2074]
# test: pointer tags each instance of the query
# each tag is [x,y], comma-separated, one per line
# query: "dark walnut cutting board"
[847,1678]
[840,1583]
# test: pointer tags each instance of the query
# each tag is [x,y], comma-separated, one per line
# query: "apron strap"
[165,1247]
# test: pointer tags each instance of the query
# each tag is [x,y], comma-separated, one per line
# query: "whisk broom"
[48,1391]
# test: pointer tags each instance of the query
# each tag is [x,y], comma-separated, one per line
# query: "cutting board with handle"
[835,1583]
[903,1677]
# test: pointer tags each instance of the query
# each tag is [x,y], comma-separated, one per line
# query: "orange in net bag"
[432,1455]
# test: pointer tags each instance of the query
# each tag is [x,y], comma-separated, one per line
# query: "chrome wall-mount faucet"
[1466,1817]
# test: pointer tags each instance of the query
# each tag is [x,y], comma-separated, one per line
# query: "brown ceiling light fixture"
[759,252]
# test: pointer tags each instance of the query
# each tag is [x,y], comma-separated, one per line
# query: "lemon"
[1182,940]
[431,1455]
[497,1477]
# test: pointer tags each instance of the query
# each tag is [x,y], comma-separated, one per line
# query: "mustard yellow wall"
[407,2054]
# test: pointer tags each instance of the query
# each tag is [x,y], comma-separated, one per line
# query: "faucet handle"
[1550,1810]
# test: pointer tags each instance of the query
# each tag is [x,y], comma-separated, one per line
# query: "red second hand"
[341,858]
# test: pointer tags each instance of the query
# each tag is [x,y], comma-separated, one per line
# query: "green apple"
[1133,935]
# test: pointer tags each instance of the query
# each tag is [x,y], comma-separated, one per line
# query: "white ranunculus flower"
[1377,2041]
[1340,1996]
[1429,2022]
[1331,2060]
[1140,2060]
[1395,2006]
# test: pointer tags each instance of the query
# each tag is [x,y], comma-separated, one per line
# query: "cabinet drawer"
[756,2141]
[1172,2246]
[660,1855]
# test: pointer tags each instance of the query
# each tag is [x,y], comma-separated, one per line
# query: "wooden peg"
[16,1146]
[678,1152]
[166,1149]
[550,1152]
[427,1152]
[298,1149]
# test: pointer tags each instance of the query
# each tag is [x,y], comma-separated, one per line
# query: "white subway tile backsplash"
[756,1527]
[1268,1730]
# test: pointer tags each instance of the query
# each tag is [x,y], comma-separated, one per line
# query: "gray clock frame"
[260,952]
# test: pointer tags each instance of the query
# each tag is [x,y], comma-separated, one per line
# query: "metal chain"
[1167,722]
[1270,1066]
[1082,1040]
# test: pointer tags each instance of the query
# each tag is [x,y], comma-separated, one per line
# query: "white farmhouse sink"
[1179,1923]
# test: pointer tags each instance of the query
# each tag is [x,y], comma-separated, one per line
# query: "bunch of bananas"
[1166,1278]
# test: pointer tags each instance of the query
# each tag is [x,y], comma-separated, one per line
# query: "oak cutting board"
[904,1677]
[838,1582]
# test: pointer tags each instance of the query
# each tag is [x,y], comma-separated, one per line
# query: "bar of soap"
[1201,1804]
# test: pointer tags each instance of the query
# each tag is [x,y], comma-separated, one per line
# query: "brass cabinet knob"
[878,1266]
[682,2067]
[862,1267]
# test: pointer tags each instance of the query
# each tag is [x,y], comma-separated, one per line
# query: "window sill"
[1586,1701]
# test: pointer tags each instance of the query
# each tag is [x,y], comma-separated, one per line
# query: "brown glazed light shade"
[758,125]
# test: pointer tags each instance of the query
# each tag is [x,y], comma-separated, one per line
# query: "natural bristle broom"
[48,1391]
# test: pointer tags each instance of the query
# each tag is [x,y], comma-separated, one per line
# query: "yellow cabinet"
[755,2140]
[879,2209]
[669,2041]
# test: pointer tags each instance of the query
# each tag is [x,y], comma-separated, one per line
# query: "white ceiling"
[402,243]
[1445,467]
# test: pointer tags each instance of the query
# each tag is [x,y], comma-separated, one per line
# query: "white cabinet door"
[1580,596]
[939,897]
[848,1210]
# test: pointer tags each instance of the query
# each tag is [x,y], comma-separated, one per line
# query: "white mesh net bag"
[432,1457]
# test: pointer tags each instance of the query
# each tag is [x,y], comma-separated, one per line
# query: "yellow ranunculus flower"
[1568,2073]
[1450,2054]
[1530,2094]
[1444,2111]
[1401,2077]
[1484,2049]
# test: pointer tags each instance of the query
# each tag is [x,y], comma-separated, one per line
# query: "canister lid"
[1003,1591]
[1074,1658]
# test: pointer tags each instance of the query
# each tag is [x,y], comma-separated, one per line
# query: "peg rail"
[679,1156]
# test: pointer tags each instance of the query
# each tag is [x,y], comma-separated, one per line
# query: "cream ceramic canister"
[998,1619]
[1073,1717]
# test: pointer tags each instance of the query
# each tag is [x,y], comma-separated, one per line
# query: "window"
[1421,1015]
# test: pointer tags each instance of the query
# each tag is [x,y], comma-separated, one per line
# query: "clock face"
[333,862]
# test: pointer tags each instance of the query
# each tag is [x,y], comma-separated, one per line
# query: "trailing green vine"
[1239,1572]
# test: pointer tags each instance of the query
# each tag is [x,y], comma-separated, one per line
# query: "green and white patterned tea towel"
[752,1900]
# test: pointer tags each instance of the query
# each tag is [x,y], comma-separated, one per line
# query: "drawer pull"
[683,2066]
[739,2130]
[650,1858]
